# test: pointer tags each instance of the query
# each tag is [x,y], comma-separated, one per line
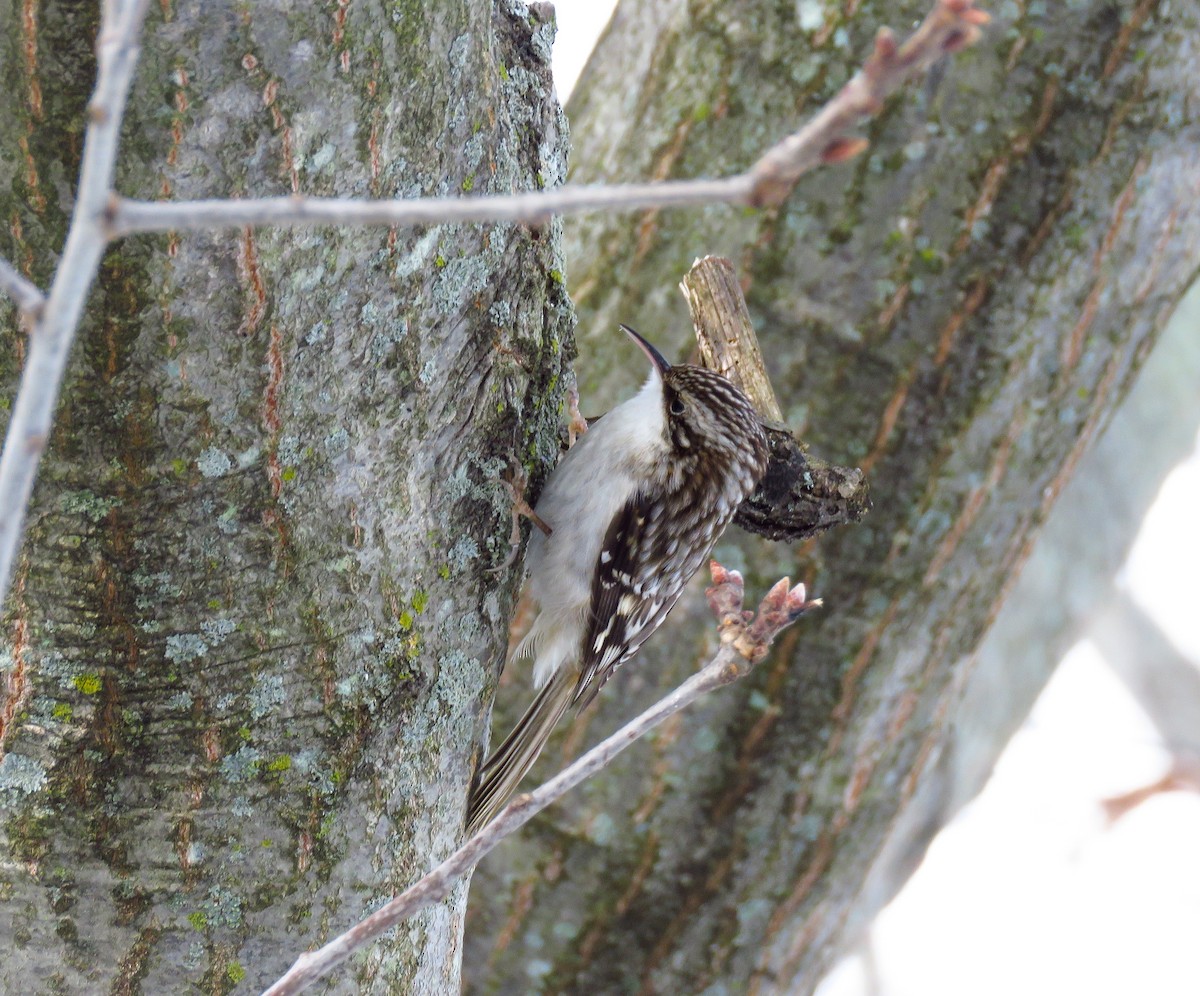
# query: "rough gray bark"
[245,659]
[959,311]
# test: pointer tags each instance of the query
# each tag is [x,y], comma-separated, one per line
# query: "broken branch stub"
[799,496]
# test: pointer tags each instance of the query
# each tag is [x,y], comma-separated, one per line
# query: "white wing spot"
[602,637]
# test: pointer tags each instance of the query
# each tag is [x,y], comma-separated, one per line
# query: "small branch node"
[885,46]
[110,217]
[732,672]
[29,299]
[841,150]
[956,41]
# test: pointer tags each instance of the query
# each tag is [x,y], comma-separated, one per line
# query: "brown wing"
[636,583]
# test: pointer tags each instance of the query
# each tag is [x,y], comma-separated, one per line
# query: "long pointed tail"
[502,772]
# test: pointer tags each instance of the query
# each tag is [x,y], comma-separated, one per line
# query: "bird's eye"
[677,406]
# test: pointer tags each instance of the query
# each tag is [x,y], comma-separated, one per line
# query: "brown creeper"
[634,509]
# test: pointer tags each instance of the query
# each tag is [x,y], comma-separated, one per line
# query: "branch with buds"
[29,299]
[745,638]
[827,139]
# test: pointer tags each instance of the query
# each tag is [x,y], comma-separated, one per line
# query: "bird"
[632,511]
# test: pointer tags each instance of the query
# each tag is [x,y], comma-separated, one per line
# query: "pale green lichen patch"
[267,695]
[460,676]
[464,551]
[241,765]
[289,450]
[214,462]
[248,457]
[466,276]
[323,157]
[217,631]
[180,701]
[753,917]
[337,441]
[541,40]
[227,521]
[91,506]
[155,588]
[184,647]
[602,829]
[21,775]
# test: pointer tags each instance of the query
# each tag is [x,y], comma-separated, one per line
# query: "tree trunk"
[959,311]
[246,655]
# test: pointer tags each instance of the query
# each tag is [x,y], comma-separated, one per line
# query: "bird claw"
[514,483]
[577,425]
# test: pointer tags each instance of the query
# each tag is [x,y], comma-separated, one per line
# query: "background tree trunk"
[1065,593]
[245,659]
[959,311]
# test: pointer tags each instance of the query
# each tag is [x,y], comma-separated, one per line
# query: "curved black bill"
[652,354]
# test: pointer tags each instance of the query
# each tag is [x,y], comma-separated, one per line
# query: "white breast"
[583,494]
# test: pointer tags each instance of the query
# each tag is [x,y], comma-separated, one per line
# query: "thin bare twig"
[53,332]
[532,207]
[827,138]
[743,644]
[29,299]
